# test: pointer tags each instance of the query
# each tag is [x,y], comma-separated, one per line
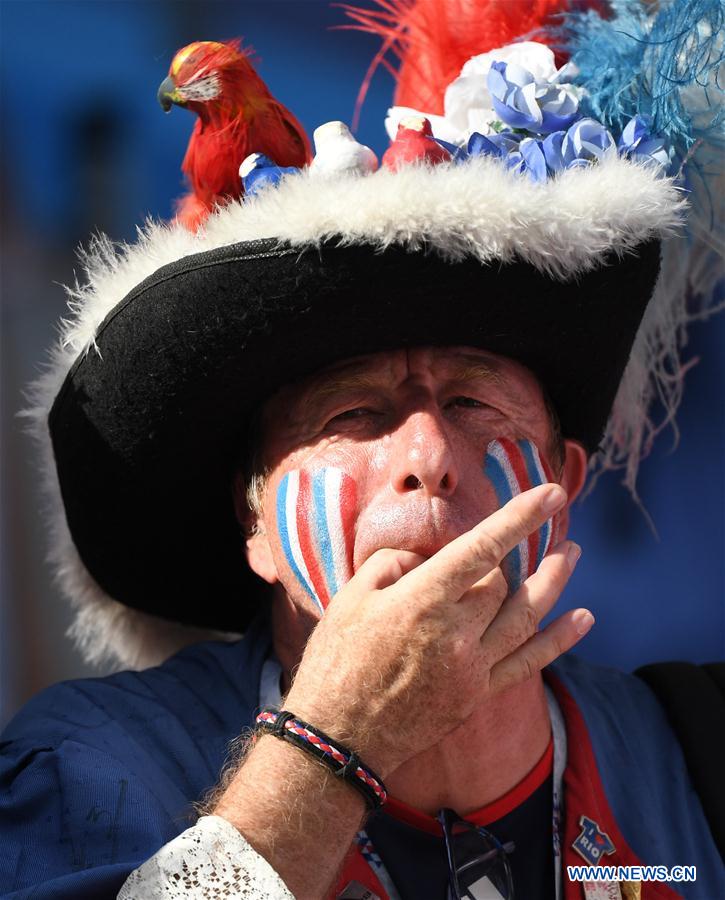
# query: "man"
[411,428]
[380,398]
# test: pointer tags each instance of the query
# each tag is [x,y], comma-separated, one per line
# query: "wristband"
[344,763]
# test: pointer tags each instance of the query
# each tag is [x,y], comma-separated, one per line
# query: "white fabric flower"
[467,103]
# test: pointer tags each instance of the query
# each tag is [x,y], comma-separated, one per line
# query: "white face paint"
[315,517]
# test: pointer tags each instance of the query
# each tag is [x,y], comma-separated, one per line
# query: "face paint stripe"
[554,538]
[526,482]
[529,546]
[536,476]
[305,513]
[336,537]
[348,497]
[315,521]
[286,488]
[321,528]
[293,499]
[499,471]
[540,467]
[506,486]
[548,474]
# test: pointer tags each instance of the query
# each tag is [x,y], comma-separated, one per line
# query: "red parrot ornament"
[237,116]
[414,143]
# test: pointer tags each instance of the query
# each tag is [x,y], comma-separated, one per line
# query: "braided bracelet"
[343,762]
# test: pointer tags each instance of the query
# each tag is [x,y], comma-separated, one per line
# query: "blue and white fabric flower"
[637,143]
[513,104]
[468,104]
[585,142]
[521,101]
[498,145]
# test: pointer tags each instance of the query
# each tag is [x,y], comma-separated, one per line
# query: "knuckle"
[499,585]
[519,518]
[528,668]
[529,620]
[491,548]
[559,646]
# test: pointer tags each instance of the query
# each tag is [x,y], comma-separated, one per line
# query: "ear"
[573,476]
[257,548]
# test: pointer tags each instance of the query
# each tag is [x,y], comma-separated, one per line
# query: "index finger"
[455,568]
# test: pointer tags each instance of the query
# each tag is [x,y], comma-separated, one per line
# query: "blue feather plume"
[662,60]
[645,59]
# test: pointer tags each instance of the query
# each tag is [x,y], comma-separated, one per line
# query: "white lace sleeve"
[209,860]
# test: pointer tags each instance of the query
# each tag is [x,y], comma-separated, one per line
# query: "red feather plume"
[432,39]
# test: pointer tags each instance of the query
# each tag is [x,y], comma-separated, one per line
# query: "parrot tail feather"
[191,212]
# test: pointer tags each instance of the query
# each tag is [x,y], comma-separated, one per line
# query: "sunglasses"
[474,855]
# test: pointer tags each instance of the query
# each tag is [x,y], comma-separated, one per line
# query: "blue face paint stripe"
[322,531]
[536,476]
[284,534]
[495,473]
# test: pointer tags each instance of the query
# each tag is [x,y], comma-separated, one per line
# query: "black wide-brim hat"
[180,339]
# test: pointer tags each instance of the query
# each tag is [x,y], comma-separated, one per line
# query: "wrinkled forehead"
[390,369]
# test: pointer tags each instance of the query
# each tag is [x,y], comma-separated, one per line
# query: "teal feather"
[663,60]
[645,60]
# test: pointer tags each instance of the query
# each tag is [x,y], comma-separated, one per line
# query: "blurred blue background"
[85,146]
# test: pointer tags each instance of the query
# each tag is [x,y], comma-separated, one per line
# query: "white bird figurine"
[338,153]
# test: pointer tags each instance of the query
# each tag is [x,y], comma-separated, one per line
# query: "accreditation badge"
[356,891]
[601,890]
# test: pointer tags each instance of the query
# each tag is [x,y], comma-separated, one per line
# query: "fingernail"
[573,554]
[554,500]
[583,621]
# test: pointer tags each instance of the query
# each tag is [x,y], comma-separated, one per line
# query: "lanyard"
[558,733]
[269,695]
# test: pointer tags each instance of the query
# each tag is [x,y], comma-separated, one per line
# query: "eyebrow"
[464,369]
[469,368]
[326,388]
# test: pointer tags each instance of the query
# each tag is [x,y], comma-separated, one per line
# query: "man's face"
[398,450]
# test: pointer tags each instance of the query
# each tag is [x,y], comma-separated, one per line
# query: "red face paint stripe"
[546,467]
[518,464]
[305,513]
[548,472]
[348,497]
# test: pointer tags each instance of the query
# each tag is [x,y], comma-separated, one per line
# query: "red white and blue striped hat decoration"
[514,467]
[315,514]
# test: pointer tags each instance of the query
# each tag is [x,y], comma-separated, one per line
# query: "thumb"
[385,567]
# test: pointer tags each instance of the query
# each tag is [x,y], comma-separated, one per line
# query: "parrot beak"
[167,94]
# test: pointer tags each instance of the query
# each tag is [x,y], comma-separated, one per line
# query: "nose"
[422,457]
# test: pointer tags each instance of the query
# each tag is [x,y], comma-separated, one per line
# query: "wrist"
[344,724]
[294,813]
[271,771]
[343,762]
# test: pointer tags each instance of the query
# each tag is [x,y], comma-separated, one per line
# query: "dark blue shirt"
[96,775]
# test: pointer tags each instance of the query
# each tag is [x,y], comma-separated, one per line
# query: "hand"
[410,646]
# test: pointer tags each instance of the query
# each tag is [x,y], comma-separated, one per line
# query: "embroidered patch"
[593,843]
